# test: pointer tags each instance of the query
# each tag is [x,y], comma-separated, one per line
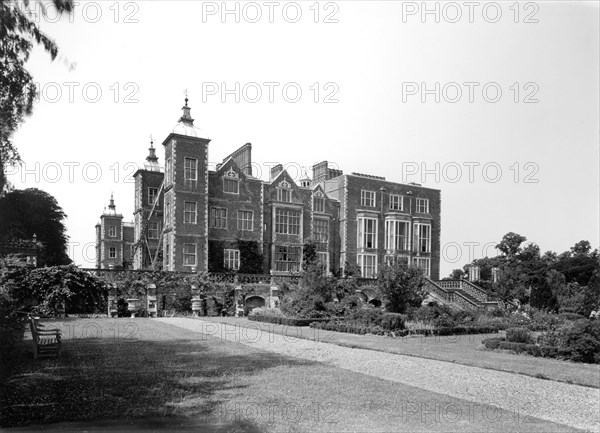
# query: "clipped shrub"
[518,335]
[266,311]
[287,321]
[393,321]
[353,328]
[413,325]
[366,316]
[492,343]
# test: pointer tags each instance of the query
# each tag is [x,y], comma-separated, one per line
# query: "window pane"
[287,221]
[218,218]
[321,230]
[245,220]
[318,204]
[231,186]
[287,258]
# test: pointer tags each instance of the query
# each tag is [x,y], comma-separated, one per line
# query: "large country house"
[190,218]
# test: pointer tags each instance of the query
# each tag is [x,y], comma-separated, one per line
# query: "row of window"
[218,219]
[231,185]
[368,264]
[397,235]
[396,202]
[218,216]
[287,258]
[287,221]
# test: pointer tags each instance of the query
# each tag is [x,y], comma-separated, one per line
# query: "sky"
[496,104]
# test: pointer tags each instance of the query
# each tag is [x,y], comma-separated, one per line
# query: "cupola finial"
[152,158]
[187,117]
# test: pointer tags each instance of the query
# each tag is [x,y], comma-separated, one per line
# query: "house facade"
[189,218]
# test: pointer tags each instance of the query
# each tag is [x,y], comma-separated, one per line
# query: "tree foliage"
[510,244]
[24,213]
[569,281]
[19,33]
[401,286]
[43,290]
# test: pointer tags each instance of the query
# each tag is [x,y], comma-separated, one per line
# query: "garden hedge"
[378,330]
[288,321]
[530,349]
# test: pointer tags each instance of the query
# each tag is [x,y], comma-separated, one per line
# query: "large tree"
[19,32]
[400,286]
[510,244]
[24,213]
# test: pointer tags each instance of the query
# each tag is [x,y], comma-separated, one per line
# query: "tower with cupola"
[148,212]
[113,239]
[185,235]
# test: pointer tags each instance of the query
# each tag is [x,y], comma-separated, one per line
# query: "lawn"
[462,349]
[139,373]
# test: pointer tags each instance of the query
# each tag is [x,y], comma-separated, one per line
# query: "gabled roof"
[281,176]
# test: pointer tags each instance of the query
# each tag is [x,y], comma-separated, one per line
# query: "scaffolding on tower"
[143,236]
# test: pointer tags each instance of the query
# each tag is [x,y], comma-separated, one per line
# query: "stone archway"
[254,301]
[375,302]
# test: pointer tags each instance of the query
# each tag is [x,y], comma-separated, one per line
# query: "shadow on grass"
[150,384]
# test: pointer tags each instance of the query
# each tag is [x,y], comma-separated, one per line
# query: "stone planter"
[133,305]
[196,306]
[112,306]
[152,306]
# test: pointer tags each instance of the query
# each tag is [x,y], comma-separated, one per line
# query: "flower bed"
[288,321]
[378,330]
[530,349]
[579,342]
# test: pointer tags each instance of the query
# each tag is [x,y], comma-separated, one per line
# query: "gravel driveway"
[573,405]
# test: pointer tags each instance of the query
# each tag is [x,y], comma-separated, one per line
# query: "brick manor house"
[190,218]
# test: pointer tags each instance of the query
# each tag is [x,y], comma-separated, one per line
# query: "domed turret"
[151,163]
[185,126]
[112,209]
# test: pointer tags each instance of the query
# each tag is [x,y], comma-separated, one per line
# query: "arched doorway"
[253,302]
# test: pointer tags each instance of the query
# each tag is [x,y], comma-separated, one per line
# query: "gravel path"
[573,405]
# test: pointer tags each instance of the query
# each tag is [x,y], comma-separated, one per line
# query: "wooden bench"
[46,342]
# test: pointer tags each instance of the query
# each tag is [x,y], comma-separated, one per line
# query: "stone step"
[469,297]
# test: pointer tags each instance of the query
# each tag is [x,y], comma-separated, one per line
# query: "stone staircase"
[460,293]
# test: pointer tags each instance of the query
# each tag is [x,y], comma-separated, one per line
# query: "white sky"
[373,49]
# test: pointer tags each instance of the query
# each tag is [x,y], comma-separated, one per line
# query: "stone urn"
[152,306]
[133,305]
[112,306]
[196,306]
